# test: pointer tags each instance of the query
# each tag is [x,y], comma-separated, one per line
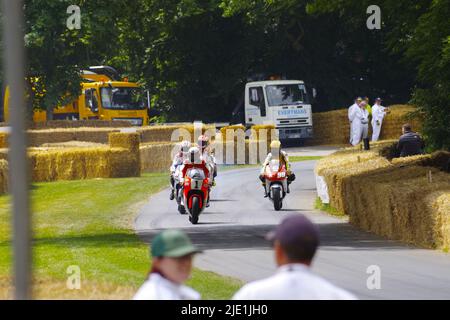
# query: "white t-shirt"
[292,282]
[159,288]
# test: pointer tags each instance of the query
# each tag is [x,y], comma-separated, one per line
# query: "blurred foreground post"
[14,60]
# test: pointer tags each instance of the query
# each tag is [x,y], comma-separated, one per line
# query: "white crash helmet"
[194,155]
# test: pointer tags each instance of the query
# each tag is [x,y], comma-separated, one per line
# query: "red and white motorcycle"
[195,190]
[275,175]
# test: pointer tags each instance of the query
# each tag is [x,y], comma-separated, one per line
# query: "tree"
[420,34]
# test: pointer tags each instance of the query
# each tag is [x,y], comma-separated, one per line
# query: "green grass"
[319,205]
[88,223]
[304,158]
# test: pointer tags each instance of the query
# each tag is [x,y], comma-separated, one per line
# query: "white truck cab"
[283,103]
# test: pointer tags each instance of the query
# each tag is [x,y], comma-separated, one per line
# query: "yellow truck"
[103,97]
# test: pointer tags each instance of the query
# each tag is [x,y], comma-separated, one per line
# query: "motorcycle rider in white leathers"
[177,164]
[208,157]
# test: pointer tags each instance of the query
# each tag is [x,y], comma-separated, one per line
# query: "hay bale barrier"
[3,140]
[333,127]
[156,157]
[403,199]
[125,164]
[4,179]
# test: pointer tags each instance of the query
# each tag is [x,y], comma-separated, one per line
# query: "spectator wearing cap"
[378,114]
[410,143]
[295,242]
[172,253]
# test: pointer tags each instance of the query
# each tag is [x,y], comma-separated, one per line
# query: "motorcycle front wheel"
[195,211]
[277,201]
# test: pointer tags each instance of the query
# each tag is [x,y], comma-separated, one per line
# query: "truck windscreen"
[286,94]
[123,98]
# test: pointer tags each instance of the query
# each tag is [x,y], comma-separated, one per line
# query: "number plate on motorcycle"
[196,184]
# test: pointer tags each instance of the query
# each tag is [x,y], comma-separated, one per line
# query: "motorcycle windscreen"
[196,173]
[274,165]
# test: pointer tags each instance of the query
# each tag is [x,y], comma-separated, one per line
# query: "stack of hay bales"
[128,164]
[404,199]
[232,133]
[4,179]
[157,133]
[3,140]
[338,169]
[70,164]
[156,157]
[70,144]
[120,159]
[400,204]
[333,127]
[399,115]
[264,132]
[97,135]
[173,133]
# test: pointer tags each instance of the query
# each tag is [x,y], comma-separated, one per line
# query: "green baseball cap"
[172,244]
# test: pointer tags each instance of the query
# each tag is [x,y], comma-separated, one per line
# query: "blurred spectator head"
[172,253]
[295,240]
[406,128]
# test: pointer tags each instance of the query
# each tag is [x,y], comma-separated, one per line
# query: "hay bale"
[441,204]
[438,159]
[83,163]
[338,170]
[156,157]
[393,199]
[4,140]
[70,164]
[168,133]
[123,163]
[232,132]
[130,142]
[4,177]
[4,154]
[97,135]
[398,204]
[70,144]
[333,127]
[264,132]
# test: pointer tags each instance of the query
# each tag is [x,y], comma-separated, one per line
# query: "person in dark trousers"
[410,143]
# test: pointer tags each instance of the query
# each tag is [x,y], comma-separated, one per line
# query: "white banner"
[322,189]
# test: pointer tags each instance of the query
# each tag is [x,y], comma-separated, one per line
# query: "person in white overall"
[361,124]
[378,114]
[351,116]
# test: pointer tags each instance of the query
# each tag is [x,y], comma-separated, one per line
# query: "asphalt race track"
[232,229]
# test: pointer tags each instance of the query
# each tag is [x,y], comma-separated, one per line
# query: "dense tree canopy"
[196,55]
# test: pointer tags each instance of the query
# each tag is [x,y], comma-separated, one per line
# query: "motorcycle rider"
[208,157]
[195,159]
[178,161]
[275,147]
